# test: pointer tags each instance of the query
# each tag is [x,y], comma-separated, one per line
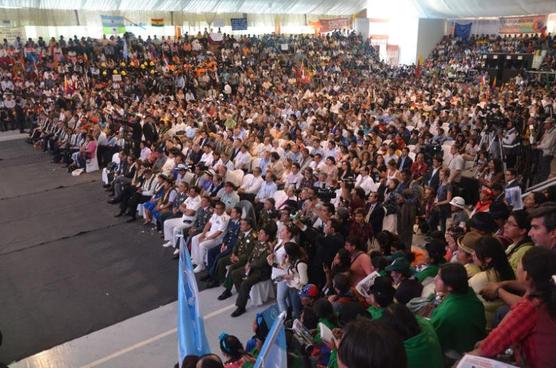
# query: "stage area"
[67,266]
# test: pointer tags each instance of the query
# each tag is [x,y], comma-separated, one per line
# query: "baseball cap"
[400,264]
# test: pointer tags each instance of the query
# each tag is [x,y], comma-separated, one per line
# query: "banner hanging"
[529,24]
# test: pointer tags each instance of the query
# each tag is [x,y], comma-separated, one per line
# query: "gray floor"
[148,340]
[67,266]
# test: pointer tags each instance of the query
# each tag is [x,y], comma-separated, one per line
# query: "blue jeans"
[288,296]
[282,296]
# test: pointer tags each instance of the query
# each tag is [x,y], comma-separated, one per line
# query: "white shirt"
[252,184]
[366,183]
[242,159]
[207,159]
[218,223]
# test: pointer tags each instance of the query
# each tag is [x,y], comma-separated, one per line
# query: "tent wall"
[429,34]
[53,23]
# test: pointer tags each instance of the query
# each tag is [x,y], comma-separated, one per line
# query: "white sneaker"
[176,252]
[199,268]
[168,244]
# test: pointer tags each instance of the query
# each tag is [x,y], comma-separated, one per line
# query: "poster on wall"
[112,24]
[393,54]
[11,33]
[328,25]
[530,24]
[239,24]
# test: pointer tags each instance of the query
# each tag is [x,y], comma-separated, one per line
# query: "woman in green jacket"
[419,339]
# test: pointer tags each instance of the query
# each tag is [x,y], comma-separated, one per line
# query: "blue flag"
[462,30]
[192,339]
[273,352]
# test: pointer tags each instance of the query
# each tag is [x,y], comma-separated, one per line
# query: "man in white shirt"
[456,165]
[243,158]
[251,184]
[207,157]
[210,237]
[364,181]
[173,227]
[294,177]
[268,188]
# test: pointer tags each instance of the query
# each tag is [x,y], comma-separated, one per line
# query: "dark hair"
[540,264]
[270,230]
[210,361]
[539,198]
[231,346]
[378,261]
[310,318]
[371,344]
[401,320]
[341,283]
[323,309]
[454,275]
[295,253]
[351,311]
[490,247]
[521,219]
[355,241]
[383,291]
[190,361]
[548,213]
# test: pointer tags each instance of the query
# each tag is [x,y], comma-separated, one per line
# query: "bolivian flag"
[157,22]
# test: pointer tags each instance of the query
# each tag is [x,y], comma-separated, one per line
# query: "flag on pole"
[273,352]
[192,339]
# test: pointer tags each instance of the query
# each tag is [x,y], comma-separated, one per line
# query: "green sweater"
[459,322]
[376,312]
[423,349]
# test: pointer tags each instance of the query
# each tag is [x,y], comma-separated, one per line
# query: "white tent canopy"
[460,8]
[324,7]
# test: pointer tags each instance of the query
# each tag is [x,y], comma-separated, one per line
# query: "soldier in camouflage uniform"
[237,259]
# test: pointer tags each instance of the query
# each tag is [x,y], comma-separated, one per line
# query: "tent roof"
[326,7]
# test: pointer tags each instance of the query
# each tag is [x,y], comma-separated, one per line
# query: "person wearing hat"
[459,215]
[308,295]
[407,286]
[483,223]
[181,171]
[500,213]
[466,248]
[484,202]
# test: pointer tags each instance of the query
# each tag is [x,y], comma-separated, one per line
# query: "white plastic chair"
[261,293]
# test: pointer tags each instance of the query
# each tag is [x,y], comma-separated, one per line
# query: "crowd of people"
[373,197]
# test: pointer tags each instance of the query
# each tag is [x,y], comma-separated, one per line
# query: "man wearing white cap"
[459,214]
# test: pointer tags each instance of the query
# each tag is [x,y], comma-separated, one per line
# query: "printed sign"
[530,24]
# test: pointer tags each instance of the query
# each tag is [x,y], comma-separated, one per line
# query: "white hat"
[458,202]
